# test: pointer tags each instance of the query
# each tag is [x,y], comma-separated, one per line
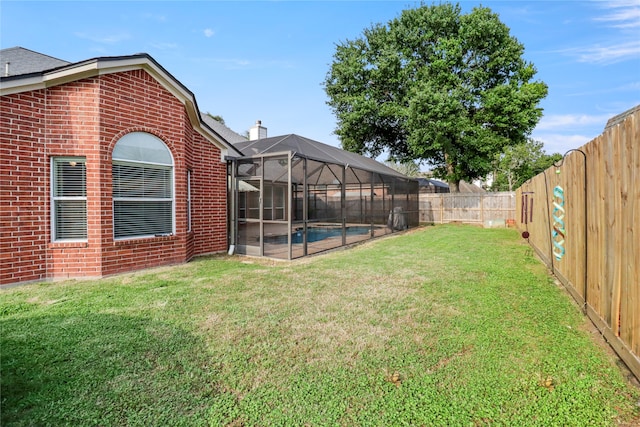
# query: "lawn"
[446,325]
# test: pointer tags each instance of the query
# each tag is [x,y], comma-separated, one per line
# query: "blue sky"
[266,60]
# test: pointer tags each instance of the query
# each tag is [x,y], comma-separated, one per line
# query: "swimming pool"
[315,234]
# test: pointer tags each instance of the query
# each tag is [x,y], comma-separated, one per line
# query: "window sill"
[62,245]
[145,239]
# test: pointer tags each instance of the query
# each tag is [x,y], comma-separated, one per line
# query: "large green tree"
[436,86]
[520,162]
[408,168]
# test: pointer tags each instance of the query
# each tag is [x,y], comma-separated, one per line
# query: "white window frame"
[57,199]
[138,163]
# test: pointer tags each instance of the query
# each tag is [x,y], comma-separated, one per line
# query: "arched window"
[143,202]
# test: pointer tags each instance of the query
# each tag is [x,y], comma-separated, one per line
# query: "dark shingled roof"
[27,70]
[24,61]
[432,182]
[463,186]
[310,149]
[222,130]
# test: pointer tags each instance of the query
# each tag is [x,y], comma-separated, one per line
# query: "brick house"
[107,166]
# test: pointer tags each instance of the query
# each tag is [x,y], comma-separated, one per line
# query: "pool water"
[315,234]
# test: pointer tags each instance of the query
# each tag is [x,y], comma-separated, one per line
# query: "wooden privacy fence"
[488,209]
[585,225]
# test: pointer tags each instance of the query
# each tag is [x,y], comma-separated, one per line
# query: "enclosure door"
[249,220]
[276,227]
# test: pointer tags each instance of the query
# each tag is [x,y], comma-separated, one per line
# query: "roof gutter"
[109,65]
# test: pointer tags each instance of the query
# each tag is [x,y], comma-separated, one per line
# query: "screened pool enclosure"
[292,197]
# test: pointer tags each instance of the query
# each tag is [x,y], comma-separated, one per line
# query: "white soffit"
[104,66]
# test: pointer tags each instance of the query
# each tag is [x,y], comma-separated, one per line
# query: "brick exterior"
[86,118]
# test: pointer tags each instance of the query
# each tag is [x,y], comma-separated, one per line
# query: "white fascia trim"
[23,85]
[117,65]
[122,65]
[107,66]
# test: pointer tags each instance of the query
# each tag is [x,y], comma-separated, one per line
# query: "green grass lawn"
[447,325]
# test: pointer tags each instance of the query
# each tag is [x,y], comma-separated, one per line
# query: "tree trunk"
[454,185]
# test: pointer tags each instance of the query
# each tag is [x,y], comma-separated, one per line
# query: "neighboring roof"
[466,187]
[620,117]
[223,130]
[24,61]
[70,72]
[310,149]
[423,182]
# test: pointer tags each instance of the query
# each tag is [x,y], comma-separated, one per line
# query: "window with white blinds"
[69,199]
[142,174]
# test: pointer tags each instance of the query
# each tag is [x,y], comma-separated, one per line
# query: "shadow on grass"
[102,369]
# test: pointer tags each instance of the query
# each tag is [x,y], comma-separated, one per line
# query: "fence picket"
[474,208]
[608,251]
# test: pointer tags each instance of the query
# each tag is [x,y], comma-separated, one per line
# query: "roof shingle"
[24,61]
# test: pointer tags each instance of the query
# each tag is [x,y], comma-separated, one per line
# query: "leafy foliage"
[408,168]
[216,117]
[520,162]
[435,85]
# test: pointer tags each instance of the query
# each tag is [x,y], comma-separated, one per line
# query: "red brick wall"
[134,101]
[72,129]
[87,118]
[24,170]
[209,207]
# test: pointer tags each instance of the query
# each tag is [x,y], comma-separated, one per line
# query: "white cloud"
[629,87]
[625,14]
[106,38]
[234,63]
[208,32]
[100,51]
[599,54]
[563,132]
[164,46]
[246,64]
[571,121]
[154,17]
[610,4]
[622,18]
[561,143]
